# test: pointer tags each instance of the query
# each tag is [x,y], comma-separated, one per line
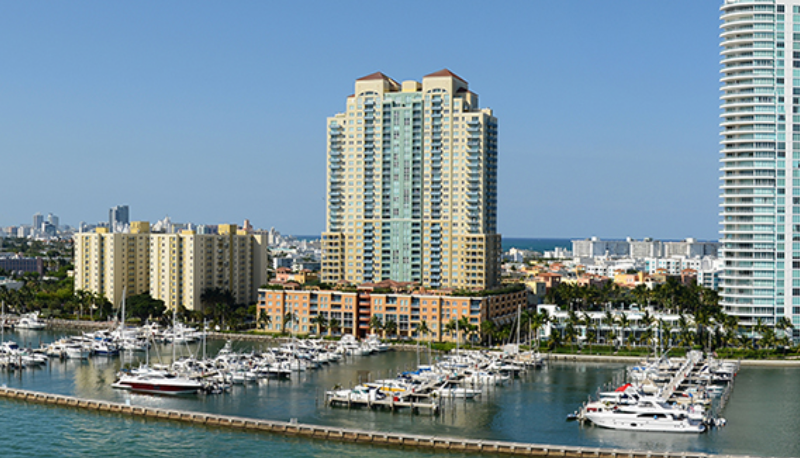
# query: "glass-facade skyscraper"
[760,160]
[412,185]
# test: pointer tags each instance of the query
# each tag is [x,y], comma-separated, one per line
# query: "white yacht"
[30,321]
[646,415]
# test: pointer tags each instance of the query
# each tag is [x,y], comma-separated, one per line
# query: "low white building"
[599,324]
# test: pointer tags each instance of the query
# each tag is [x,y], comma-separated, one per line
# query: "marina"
[683,395]
[529,409]
[338,434]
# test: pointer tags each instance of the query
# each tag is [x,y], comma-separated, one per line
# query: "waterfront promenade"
[328,433]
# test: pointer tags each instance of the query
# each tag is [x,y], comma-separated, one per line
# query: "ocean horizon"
[540,244]
[521,243]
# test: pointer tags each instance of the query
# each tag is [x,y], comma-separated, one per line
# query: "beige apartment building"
[412,186]
[106,263]
[175,268]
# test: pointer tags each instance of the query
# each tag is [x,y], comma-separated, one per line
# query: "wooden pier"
[389,402]
[292,428]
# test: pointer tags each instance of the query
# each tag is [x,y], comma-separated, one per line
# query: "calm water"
[762,413]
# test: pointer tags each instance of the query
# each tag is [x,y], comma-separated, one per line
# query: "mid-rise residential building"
[760,150]
[412,185]
[112,263]
[175,268]
[17,264]
[596,248]
[355,308]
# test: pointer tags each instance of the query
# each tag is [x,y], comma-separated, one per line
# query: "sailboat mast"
[174,331]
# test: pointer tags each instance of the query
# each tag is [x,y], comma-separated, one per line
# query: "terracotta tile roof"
[445,72]
[374,76]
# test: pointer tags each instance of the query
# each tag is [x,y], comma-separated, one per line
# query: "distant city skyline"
[215,113]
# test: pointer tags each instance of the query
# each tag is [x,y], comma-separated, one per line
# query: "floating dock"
[292,428]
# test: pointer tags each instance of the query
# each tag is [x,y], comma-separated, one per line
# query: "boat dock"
[416,401]
[390,402]
[686,368]
[293,428]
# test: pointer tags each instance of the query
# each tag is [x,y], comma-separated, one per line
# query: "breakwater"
[293,428]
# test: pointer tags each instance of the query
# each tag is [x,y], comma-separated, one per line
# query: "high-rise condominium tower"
[412,185]
[760,160]
[118,217]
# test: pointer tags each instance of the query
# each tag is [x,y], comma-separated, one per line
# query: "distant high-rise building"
[118,217]
[53,220]
[412,185]
[38,219]
[760,129]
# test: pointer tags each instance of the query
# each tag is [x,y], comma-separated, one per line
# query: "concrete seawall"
[637,359]
[422,442]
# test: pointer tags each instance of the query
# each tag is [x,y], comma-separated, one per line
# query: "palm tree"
[287,318]
[685,335]
[624,323]
[422,328]
[334,325]
[609,321]
[375,323]
[783,325]
[702,320]
[759,329]
[538,322]
[450,327]
[464,327]
[264,318]
[731,325]
[642,295]
[586,321]
[648,320]
[488,328]
[321,321]
[390,327]
[570,333]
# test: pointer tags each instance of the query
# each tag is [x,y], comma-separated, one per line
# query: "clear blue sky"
[213,112]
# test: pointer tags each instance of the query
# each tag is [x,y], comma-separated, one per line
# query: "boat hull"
[639,423]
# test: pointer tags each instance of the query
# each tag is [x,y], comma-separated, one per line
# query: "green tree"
[624,323]
[144,307]
[321,322]
[334,325]
[375,324]
[288,319]
[488,329]
[423,329]
[264,319]
[538,321]
[609,321]
[390,327]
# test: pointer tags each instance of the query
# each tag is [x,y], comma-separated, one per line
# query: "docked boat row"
[460,375]
[213,375]
[666,395]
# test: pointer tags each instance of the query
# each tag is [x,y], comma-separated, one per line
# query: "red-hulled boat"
[158,384]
